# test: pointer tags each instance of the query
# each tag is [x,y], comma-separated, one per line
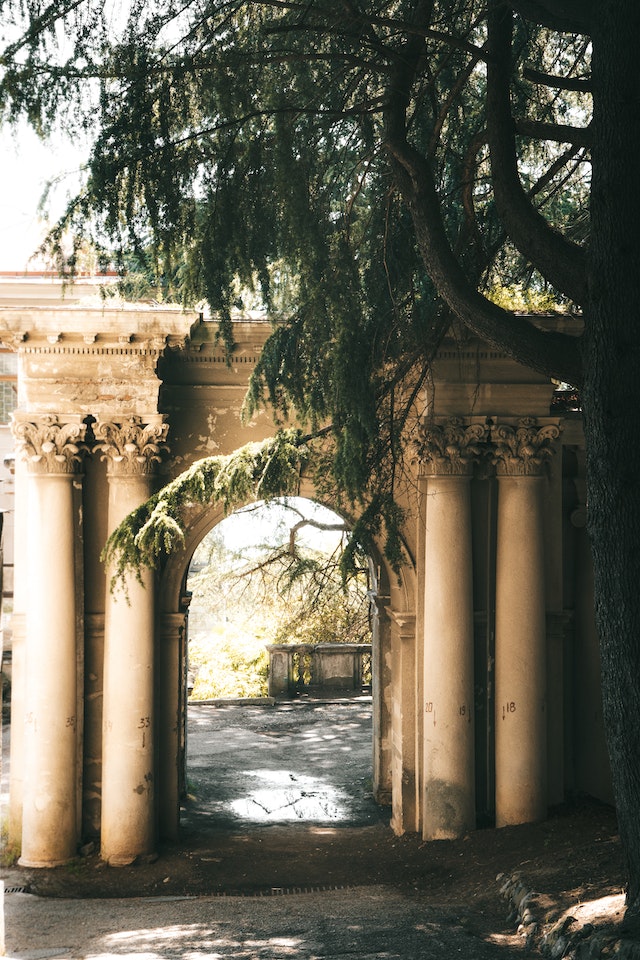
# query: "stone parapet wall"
[325,666]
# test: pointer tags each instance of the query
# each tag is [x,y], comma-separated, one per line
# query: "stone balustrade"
[324,666]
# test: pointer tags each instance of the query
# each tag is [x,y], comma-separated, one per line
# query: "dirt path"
[281,804]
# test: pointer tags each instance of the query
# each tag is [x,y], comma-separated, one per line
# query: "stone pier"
[132,449]
[53,448]
[521,642]
[447,453]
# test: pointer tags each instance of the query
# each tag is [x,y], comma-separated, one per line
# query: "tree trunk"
[611,404]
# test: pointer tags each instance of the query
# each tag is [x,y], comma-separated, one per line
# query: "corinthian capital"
[133,446]
[50,444]
[522,451]
[450,449]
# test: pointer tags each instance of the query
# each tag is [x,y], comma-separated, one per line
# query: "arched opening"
[279,677]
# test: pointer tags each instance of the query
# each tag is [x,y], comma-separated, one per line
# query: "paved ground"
[297,762]
[284,855]
[361,924]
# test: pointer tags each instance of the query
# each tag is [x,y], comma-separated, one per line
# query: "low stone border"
[567,936]
[234,702]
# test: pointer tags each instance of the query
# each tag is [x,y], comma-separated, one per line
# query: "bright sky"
[245,526]
[249,526]
[26,164]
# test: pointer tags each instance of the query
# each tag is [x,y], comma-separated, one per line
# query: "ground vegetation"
[372,170]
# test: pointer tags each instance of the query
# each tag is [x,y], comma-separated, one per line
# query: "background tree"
[285,587]
[387,164]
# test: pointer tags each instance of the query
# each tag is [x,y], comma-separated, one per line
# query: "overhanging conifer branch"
[256,471]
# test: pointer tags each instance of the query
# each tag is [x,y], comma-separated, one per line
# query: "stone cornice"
[450,448]
[92,346]
[81,330]
[133,446]
[50,444]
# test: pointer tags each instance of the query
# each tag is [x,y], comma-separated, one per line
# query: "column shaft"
[94,662]
[129,764]
[49,824]
[172,629]
[18,665]
[381,691]
[449,772]
[404,758]
[128,789]
[521,718]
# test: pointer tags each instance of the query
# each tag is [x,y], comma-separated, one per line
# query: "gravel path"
[263,768]
[360,924]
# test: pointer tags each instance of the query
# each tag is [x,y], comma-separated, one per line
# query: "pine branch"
[153,530]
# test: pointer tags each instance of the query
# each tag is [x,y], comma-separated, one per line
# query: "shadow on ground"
[294,762]
[280,801]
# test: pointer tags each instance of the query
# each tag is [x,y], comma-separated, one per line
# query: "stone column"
[132,450]
[18,665]
[447,454]
[404,759]
[92,780]
[171,653]
[521,695]
[381,692]
[53,448]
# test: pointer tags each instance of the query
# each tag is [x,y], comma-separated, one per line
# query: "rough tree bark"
[611,352]
[609,368]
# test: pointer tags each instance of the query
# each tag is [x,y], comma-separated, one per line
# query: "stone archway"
[494,547]
[172,676]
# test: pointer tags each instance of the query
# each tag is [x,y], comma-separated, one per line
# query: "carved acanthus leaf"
[50,444]
[133,446]
[523,450]
[450,449]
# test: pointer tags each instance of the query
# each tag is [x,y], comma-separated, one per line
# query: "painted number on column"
[509,707]
[145,723]
[428,707]
[465,712]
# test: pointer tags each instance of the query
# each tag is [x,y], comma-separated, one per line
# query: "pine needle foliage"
[256,471]
[244,153]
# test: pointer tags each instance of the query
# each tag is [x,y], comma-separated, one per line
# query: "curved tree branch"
[579,84]
[569,16]
[558,132]
[561,262]
[468,204]
[556,355]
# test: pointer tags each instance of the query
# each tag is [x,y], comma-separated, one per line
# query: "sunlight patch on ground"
[604,909]
[196,941]
[507,940]
[282,796]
